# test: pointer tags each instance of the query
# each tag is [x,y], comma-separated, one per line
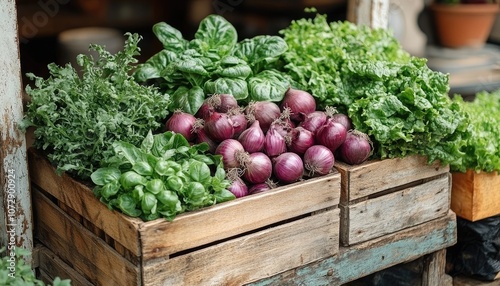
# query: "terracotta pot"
[466,25]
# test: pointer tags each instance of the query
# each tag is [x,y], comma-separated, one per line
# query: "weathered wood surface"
[434,269]
[251,257]
[475,196]
[395,211]
[467,281]
[71,242]
[51,266]
[191,229]
[369,257]
[371,177]
[15,202]
[372,13]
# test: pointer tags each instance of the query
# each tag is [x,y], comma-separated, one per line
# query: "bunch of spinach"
[76,118]
[390,95]
[214,62]
[162,177]
[482,150]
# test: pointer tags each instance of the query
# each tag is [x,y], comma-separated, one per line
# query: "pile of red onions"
[266,144]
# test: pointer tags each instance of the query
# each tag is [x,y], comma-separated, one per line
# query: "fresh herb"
[482,150]
[163,177]
[214,62]
[15,272]
[76,118]
[393,97]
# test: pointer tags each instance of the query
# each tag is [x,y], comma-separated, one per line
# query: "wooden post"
[16,225]
[372,13]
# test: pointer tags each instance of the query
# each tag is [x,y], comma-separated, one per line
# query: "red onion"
[300,103]
[252,138]
[182,123]
[238,188]
[342,119]
[230,149]
[274,143]
[258,168]
[282,126]
[219,126]
[313,121]
[206,109]
[202,137]
[318,160]
[356,148]
[332,134]
[239,119]
[299,140]
[263,111]
[261,187]
[288,167]
[223,102]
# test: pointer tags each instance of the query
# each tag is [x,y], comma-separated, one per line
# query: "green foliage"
[391,96]
[22,275]
[214,62]
[163,177]
[76,118]
[482,150]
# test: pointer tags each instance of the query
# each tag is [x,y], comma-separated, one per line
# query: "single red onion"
[299,140]
[313,121]
[332,134]
[342,119]
[288,167]
[318,160]
[231,150]
[219,126]
[274,143]
[182,123]
[300,103]
[257,169]
[263,111]
[238,188]
[202,137]
[240,121]
[356,148]
[261,187]
[252,138]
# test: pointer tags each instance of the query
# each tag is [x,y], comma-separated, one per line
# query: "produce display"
[482,150]
[214,118]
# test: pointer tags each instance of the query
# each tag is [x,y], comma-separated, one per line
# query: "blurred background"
[58,30]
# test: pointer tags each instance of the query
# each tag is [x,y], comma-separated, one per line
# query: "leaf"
[199,172]
[235,86]
[268,85]
[105,175]
[127,205]
[217,33]
[187,100]
[260,50]
[170,37]
[155,66]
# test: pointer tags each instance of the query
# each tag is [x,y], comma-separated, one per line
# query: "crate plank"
[52,267]
[250,257]
[80,248]
[371,177]
[369,257]
[239,216]
[411,206]
[475,196]
[78,197]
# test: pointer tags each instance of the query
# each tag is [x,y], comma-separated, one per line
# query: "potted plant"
[464,23]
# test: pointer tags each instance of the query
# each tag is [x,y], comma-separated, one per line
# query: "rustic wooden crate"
[232,243]
[475,196]
[384,196]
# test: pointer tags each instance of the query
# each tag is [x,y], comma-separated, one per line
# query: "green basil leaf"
[105,175]
[199,172]
[130,179]
[223,196]
[127,205]
[235,86]
[155,186]
[149,203]
[143,168]
[138,193]
[110,189]
[195,195]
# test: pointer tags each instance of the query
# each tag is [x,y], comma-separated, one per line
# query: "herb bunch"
[77,118]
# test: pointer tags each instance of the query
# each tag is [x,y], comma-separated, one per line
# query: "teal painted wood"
[366,258]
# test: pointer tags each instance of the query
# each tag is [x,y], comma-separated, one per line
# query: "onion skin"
[240,121]
[219,126]
[224,102]
[313,121]
[331,134]
[318,160]
[238,188]
[274,143]
[342,119]
[300,140]
[258,168]
[202,137]
[266,112]
[182,123]
[300,103]
[258,188]
[356,148]
[230,149]
[288,167]
[252,138]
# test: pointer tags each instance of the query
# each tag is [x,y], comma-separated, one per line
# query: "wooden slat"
[372,256]
[395,211]
[239,216]
[81,199]
[252,256]
[434,269]
[81,249]
[52,266]
[374,176]
[475,196]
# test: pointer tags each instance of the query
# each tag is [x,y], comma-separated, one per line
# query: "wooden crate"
[475,196]
[385,196]
[231,243]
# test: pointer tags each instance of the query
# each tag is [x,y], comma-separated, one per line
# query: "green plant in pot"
[464,23]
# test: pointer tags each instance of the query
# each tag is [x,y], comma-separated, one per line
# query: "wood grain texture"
[239,216]
[371,177]
[80,248]
[395,211]
[253,256]
[369,257]
[434,269]
[80,198]
[475,196]
[52,267]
